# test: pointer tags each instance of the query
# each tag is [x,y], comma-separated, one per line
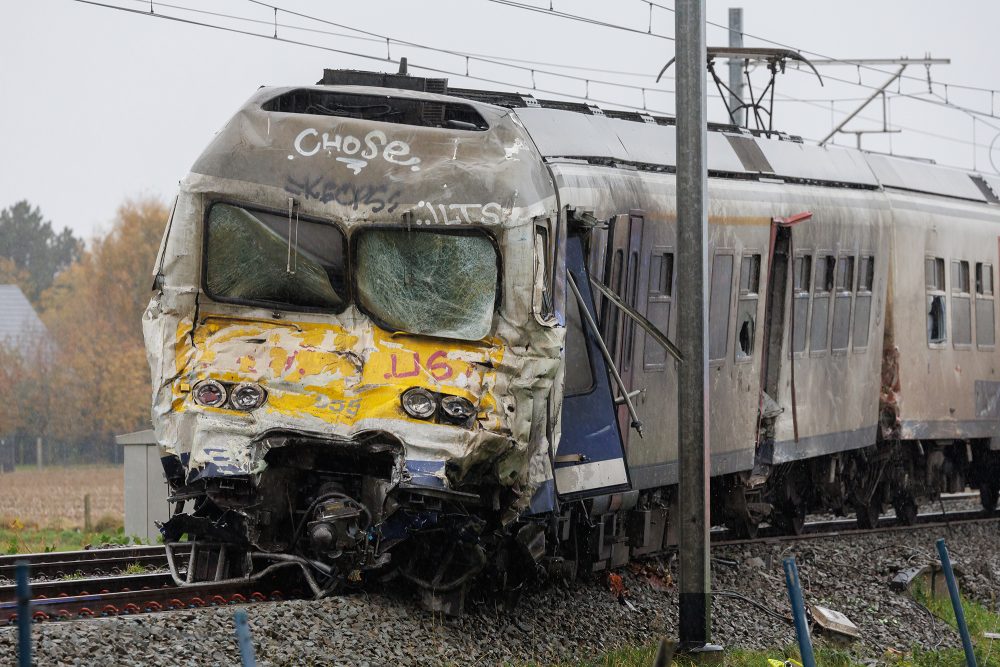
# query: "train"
[402,331]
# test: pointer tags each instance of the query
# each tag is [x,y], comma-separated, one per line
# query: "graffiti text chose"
[354,152]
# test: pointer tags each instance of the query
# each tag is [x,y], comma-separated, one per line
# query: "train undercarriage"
[345,515]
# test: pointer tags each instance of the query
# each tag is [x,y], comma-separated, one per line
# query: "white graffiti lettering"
[459,214]
[310,142]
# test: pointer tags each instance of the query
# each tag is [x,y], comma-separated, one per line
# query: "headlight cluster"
[423,404]
[243,396]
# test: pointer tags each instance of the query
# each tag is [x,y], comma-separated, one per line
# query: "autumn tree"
[32,253]
[93,311]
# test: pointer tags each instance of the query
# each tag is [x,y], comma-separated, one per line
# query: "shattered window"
[274,260]
[425,282]
[934,280]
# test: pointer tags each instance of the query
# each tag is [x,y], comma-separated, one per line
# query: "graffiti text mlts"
[457,214]
[354,152]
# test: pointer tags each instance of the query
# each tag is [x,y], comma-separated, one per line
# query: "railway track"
[90,562]
[81,597]
[126,594]
[834,528]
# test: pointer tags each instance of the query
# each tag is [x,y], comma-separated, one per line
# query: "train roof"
[629,139]
[578,131]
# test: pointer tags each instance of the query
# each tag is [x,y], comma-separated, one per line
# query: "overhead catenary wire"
[377,37]
[373,37]
[503,62]
[583,19]
[386,59]
[992,91]
[559,14]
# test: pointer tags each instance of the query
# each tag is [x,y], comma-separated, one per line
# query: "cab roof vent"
[382,108]
[356,77]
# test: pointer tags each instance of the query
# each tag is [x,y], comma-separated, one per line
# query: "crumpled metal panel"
[338,375]
[559,133]
[830,164]
[645,142]
[924,177]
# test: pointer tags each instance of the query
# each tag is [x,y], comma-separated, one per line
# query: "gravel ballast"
[560,622]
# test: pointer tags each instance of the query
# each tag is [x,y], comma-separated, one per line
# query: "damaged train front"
[352,376]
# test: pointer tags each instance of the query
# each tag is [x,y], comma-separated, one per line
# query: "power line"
[386,59]
[942,102]
[840,60]
[788,98]
[388,40]
[381,40]
[583,19]
[373,37]
[551,11]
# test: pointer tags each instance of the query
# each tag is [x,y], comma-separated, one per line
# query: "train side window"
[822,286]
[985,322]
[863,302]
[659,302]
[961,305]
[843,297]
[719,306]
[800,313]
[746,309]
[935,282]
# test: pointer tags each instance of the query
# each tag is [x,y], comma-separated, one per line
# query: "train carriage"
[402,329]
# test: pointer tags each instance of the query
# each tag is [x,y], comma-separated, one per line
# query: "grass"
[33,539]
[979,618]
[825,657]
[136,568]
[43,510]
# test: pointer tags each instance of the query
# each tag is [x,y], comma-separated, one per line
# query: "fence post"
[38,453]
[87,524]
[23,614]
[799,612]
[247,656]
[956,603]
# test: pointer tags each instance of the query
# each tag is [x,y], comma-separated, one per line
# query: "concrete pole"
[692,304]
[735,64]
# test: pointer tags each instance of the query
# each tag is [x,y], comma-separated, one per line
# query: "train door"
[590,459]
[774,313]
[781,272]
[621,275]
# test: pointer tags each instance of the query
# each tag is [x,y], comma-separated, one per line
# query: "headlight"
[247,396]
[210,393]
[457,408]
[419,403]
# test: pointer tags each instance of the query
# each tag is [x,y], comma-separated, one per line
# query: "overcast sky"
[99,104]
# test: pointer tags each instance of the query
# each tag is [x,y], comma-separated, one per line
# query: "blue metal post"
[243,637]
[956,603]
[23,614]
[799,612]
